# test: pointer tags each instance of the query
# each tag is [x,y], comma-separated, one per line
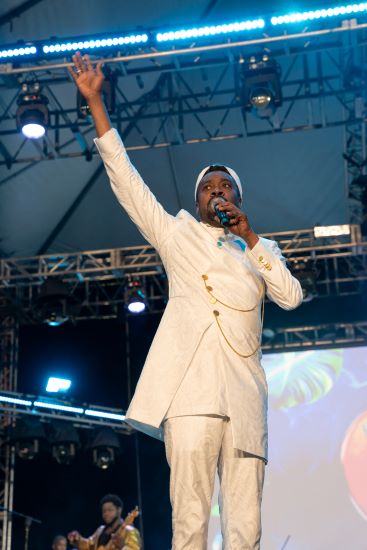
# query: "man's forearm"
[100,116]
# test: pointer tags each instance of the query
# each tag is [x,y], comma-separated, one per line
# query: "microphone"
[223,217]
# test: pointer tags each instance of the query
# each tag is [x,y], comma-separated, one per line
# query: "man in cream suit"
[202,389]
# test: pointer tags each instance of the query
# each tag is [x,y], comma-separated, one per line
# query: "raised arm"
[134,196]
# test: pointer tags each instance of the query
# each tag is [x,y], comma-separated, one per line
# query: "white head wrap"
[229,170]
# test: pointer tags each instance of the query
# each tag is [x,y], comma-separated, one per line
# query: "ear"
[197,207]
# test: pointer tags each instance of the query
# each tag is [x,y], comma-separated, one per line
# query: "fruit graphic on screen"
[354,460]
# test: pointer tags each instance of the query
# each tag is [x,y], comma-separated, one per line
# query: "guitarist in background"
[115,534]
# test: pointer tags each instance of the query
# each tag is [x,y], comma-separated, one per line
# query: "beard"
[110,523]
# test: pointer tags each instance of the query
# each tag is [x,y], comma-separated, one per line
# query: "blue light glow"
[299,17]
[104,414]
[16,52]
[56,407]
[15,401]
[55,385]
[212,30]
[68,46]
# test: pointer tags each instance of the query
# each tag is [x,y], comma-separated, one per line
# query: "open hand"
[89,80]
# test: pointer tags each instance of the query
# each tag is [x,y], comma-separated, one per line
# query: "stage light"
[55,385]
[135,298]
[104,414]
[27,437]
[64,441]
[54,305]
[331,230]
[306,273]
[15,401]
[105,446]
[94,43]
[212,30]
[261,88]
[57,407]
[32,116]
[300,17]
[19,51]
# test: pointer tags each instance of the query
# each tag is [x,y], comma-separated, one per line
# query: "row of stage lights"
[30,436]
[53,48]
[260,84]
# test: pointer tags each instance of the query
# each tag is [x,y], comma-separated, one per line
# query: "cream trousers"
[195,447]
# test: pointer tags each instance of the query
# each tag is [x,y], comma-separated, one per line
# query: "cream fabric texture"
[189,250]
[195,446]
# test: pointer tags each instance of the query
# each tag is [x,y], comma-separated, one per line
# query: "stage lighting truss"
[151,37]
[261,88]
[315,15]
[210,30]
[32,116]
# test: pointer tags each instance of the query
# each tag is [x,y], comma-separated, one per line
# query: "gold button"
[261,258]
[213,300]
[205,277]
[269,267]
[216,313]
[209,288]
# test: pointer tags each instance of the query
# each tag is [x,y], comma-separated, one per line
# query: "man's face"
[59,544]
[110,512]
[215,184]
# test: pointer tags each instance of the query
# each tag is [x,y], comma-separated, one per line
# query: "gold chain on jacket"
[214,300]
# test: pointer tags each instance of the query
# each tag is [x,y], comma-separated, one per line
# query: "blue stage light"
[104,414]
[15,401]
[55,385]
[212,30]
[95,43]
[299,17]
[57,407]
[16,52]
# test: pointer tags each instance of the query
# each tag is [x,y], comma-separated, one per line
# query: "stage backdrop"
[315,494]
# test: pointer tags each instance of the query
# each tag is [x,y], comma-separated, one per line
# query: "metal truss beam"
[8,383]
[98,280]
[79,419]
[317,336]
[199,99]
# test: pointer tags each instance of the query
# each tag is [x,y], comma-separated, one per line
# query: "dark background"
[92,354]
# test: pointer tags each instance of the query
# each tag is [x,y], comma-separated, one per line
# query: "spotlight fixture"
[105,446]
[64,441]
[32,114]
[27,436]
[54,305]
[261,89]
[135,298]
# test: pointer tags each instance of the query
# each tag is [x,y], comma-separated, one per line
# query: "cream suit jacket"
[188,251]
